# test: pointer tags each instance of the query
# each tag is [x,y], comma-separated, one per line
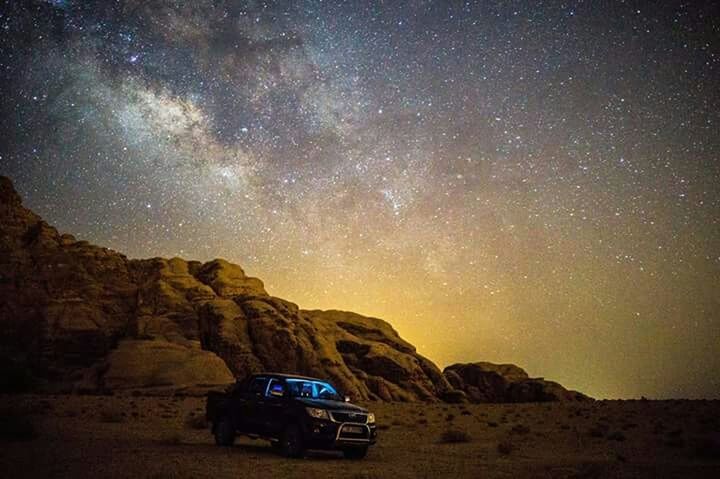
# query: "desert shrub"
[465,412]
[15,426]
[492,424]
[598,431]
[452,436]
[520,429]
[505,447]
[592,470]
[450,417]
[422,421]
[616,436]
[111,416]
[196,422]
[172,439]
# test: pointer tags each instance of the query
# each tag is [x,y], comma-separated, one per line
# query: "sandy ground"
[127,436]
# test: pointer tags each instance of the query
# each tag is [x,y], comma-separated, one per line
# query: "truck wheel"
[291,443]
[355,452]
[224,432]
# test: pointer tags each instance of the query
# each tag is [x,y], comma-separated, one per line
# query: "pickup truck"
[295,413]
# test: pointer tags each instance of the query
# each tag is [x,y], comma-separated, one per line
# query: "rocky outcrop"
[87,318]
[63,303]
[488,382]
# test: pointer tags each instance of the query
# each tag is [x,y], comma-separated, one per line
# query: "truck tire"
[355,452]
[224,432]
[291,442]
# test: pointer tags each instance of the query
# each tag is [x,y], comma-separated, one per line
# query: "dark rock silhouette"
[86,318]
[487,382]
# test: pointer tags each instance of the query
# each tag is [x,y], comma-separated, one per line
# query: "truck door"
[274,407]
[252,407]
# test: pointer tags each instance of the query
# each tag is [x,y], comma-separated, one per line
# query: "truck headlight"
[317,413]
[371,418]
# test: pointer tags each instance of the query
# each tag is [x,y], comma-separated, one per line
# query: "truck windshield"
[311,389]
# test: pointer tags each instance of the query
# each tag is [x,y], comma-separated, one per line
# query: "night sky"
[502,181]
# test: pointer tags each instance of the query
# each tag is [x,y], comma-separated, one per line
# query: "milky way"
[503,181]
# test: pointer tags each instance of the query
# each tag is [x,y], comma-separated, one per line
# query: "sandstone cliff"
[86,318]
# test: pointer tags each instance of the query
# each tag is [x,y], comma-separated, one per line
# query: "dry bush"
[616,436]
[450,417]
[600,430]
[505,447]
[453,436]
[520,429]
[111,416]
[492,424]
[196,422]
[172,439]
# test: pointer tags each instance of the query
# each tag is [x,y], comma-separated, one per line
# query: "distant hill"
[76,317]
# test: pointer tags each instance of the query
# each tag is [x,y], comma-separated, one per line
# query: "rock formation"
[487,382]
[86,318]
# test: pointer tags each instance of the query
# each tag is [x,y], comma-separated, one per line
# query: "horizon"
[535,185]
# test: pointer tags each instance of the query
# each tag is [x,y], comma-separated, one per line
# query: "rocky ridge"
[87,318]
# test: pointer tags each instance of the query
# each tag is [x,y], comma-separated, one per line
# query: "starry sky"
[511,181]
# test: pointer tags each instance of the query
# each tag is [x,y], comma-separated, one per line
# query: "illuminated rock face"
[87,318]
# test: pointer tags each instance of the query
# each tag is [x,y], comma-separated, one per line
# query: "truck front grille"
[342,416]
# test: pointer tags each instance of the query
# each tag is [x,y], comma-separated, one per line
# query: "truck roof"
[287,376]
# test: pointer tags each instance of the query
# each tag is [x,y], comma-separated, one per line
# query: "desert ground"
[159,437]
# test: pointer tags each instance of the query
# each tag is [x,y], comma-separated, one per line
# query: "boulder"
[160,364]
